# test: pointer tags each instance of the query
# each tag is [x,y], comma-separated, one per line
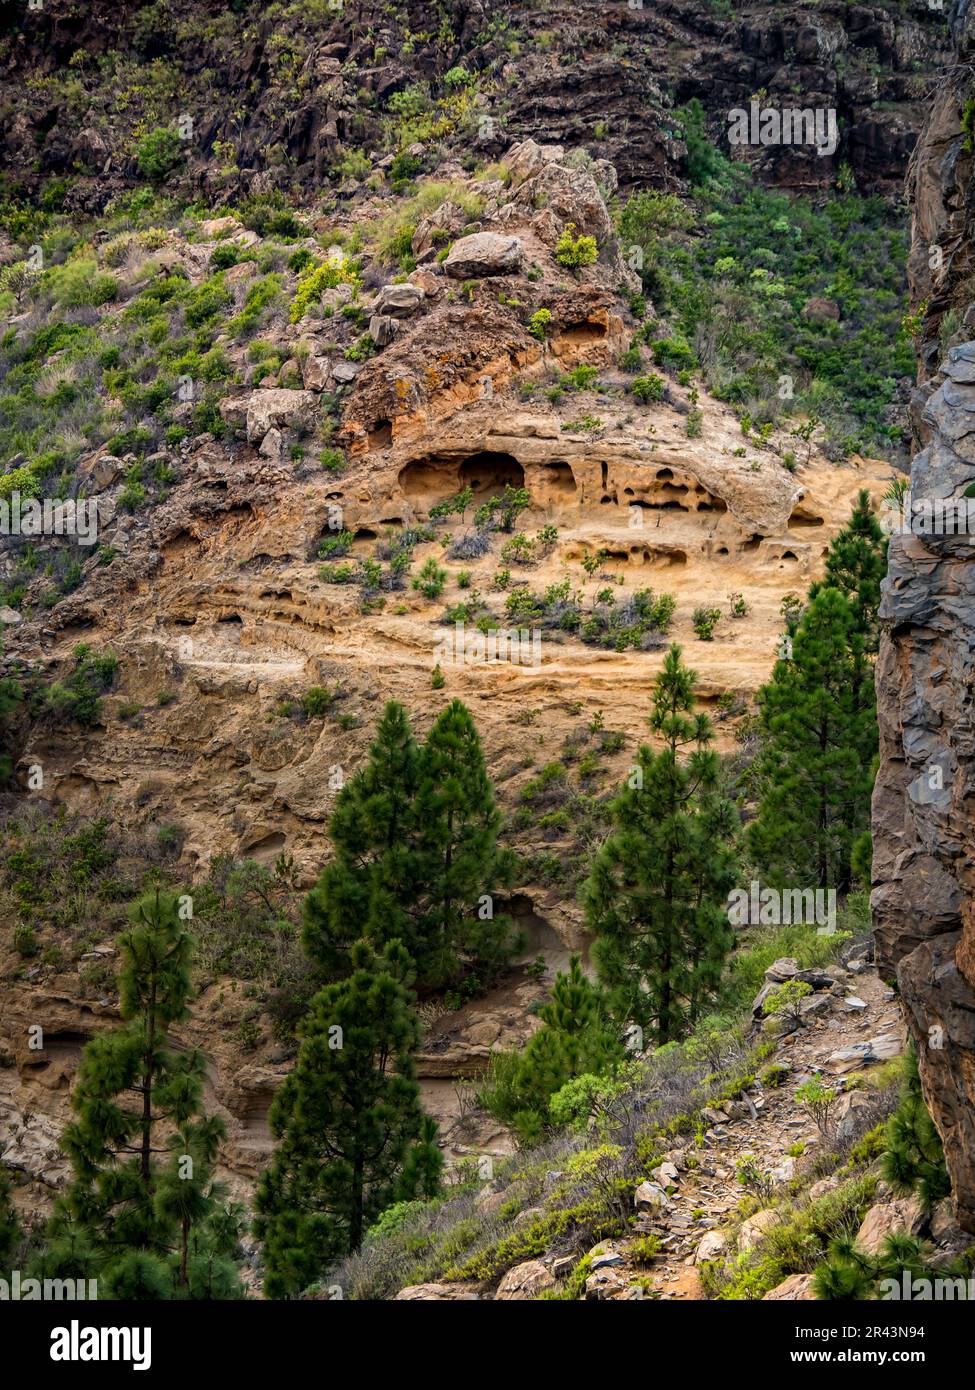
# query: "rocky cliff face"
[319,76]
[923,823]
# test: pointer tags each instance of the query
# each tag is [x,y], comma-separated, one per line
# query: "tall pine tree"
[137,1105]
[655,897]
[819,740]
[856,562]
[462,865]
[9,1224]
[416,858]
[370,886]
[352,1135]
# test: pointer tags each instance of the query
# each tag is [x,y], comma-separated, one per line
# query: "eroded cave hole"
[668,559]
[710,503]
[66,1044]
[429,480]
[558,477]
[265,847]
[586,331]
[488,473]
[380,436]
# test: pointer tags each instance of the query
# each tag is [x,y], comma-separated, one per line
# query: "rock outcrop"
[923,868]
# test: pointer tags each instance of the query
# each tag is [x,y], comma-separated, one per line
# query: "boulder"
[711,1246]
[272,446]
[847,1112]
[484,254]
[278,408]
[608,1259]
[903,1217]
[814,1006]
[383,329]
[316,373]
[781,970]
[797,1286]
[345,372]
[755,1228]
[880,1049]
[665,1174]
[103,471]
[650,1196]
[528,158]
[524,1282]
[784,1171]
[604,1283]
[566,195]
[233,411]
[399,301]
[219,227]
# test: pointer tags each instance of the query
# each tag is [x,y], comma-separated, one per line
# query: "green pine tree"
[348,1120]
[423,1166]
[139,1136]
[656,896]
[463,867]
[9,1224]
[819,733]
[11,693]
[575,1039]
[856,562]
[370,887]
[416,858]
[914,1160]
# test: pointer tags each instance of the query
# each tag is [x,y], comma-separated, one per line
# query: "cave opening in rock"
[487,473]
[710,503]
[558,477]
[668,558]
[380,436]
[586,331]
[432,479]
[429,480]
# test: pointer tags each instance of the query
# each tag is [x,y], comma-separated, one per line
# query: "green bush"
[314,281]
[24,940]
[575,251]
[316,701]
[431,579]
[648,388]
[80,282]
[158,152]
